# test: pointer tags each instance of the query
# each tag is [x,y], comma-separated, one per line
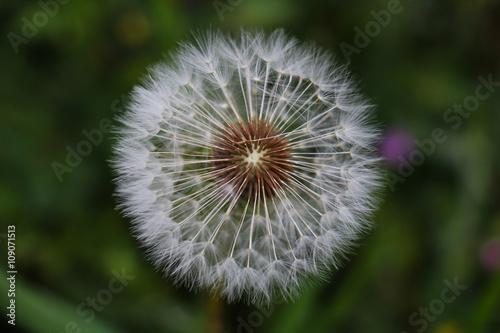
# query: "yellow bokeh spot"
[132,28]
[448,327]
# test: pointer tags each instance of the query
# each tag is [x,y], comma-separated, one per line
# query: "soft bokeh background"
[441,223]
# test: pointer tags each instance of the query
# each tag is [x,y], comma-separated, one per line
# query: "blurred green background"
[78,60]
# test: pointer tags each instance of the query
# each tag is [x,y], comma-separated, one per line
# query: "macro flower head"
[246,164]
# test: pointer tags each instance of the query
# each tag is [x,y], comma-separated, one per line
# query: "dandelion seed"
[247,164]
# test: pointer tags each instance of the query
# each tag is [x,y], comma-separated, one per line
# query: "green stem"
[216,314]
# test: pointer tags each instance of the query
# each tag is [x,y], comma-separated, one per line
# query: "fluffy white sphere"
[246,164]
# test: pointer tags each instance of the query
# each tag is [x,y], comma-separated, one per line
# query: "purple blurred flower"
[490,255]
[396,143]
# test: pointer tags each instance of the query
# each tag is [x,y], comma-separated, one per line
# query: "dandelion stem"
[216,313]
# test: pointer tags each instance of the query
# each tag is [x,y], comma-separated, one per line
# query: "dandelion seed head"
[247,164]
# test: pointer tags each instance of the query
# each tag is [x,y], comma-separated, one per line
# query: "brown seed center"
[252,159]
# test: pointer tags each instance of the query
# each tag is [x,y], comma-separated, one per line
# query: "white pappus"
[246,164]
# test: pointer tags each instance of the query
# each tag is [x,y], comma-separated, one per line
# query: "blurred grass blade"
[41,311]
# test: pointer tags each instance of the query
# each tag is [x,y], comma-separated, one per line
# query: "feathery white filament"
[246,164]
